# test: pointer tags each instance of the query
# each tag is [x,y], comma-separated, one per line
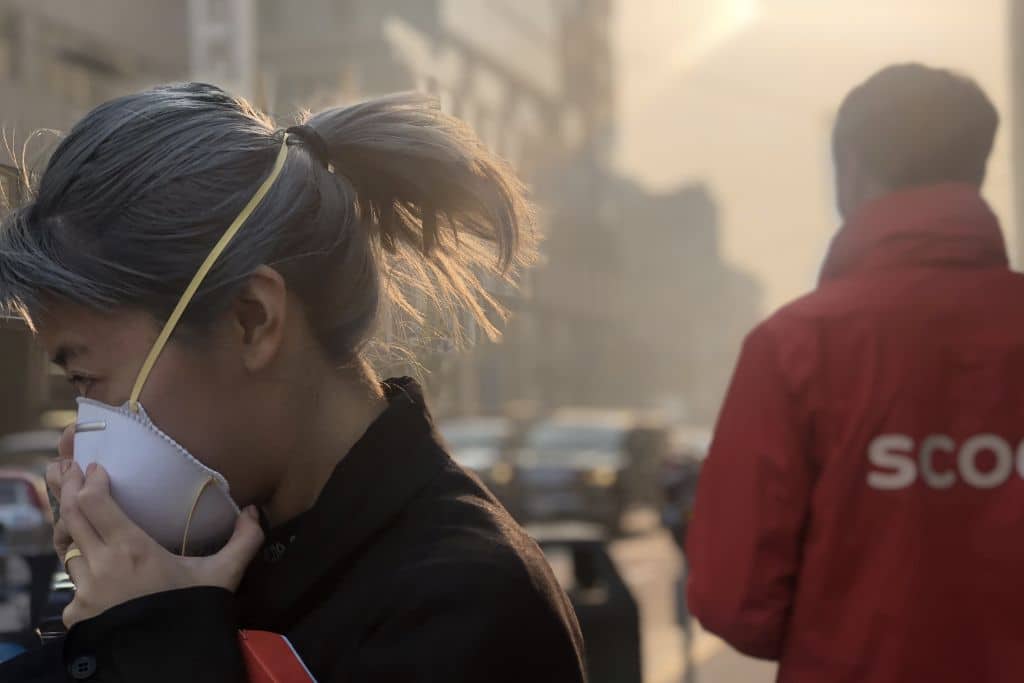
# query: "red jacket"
[861,514]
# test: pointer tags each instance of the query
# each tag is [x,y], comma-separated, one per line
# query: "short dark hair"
[911,125]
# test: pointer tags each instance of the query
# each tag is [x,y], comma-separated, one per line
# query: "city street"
[650,563]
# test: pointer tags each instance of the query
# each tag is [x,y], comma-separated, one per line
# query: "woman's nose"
[66,445]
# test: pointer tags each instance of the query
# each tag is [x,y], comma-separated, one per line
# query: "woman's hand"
[120,562]
[55,472]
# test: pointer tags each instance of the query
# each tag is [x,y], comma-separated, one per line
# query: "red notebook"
[270,658]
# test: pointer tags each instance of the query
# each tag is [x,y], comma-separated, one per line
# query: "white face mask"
[180,502]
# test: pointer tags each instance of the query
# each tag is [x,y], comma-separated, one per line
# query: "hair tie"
[316,144]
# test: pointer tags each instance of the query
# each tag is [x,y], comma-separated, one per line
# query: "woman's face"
[199,391]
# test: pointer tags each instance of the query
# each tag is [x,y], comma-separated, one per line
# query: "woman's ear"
[259,313]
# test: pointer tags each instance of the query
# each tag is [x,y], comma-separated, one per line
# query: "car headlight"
[602,477]
[501,473]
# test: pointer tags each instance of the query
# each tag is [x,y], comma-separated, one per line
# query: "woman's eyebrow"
[66,353]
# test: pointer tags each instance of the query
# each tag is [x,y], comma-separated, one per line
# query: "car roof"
[39,440]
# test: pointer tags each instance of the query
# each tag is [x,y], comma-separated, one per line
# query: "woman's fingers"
[101,511]
[66,444]
[77,524]
[228,565]
[55,473]
[61,538]
[77,567]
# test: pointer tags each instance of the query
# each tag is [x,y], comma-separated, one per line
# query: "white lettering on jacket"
[983,461]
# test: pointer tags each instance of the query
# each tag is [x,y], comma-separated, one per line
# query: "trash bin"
[606,609]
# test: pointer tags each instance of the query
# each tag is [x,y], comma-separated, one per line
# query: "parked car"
[24,505]
[30,450]
[24,512]
[486,445]
[588,465]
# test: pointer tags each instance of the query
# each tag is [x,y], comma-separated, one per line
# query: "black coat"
[406,569]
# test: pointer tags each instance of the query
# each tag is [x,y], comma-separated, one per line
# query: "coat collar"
[370,486]
[946,225]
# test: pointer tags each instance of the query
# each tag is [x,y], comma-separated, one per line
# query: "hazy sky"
[741,94]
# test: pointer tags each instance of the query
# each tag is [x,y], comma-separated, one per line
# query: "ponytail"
[443,210]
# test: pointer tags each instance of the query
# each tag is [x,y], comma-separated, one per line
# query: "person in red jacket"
[861,513]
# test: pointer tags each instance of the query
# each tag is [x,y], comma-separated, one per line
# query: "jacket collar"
[946,225]
[370,486]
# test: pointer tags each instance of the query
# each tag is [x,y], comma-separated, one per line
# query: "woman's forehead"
[71,331]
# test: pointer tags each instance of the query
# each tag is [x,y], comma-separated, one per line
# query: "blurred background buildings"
[633,304]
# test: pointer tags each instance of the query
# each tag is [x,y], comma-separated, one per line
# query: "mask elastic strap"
[204,269]
[192,511]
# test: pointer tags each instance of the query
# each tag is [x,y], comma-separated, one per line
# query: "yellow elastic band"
[191,511]
[197,279]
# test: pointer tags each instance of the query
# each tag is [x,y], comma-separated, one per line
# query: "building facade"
[688,309]
[531,78]
[625,300]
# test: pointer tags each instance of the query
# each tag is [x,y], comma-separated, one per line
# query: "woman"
[382,559]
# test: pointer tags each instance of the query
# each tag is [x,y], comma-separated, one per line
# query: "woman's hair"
[410,209]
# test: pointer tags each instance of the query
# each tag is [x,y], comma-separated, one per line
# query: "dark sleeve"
[182,635]
[460,624]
